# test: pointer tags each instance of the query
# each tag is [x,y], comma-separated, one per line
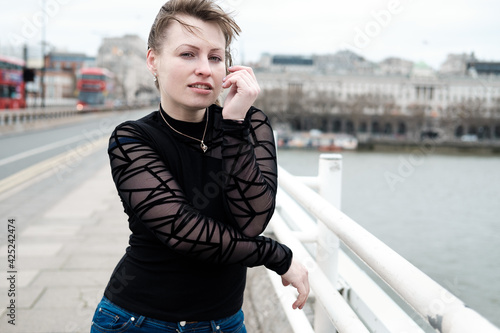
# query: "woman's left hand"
[243,93]
[297,276]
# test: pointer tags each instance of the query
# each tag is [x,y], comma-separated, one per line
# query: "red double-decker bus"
[95,88]
[12,95]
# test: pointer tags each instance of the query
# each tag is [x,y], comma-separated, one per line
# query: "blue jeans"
[109,317]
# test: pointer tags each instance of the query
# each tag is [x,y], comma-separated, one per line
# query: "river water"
[439,211]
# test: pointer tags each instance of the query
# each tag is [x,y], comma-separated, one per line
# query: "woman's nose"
[203,67]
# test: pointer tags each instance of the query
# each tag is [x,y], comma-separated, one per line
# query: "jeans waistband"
[142,321]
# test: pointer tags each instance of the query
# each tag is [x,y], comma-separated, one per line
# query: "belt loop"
[138,323]
[215,326]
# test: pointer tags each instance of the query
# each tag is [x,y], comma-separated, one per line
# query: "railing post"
[327,253]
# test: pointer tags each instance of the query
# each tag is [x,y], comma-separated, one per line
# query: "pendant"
[203,147]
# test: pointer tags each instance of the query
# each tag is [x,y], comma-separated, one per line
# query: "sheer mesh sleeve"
[149,191]
[249,157]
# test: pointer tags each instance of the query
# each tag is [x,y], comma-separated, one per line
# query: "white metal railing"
[436,305]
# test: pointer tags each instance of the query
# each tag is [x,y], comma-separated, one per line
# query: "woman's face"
[190,67]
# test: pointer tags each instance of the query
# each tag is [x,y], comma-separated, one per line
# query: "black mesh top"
[195,217]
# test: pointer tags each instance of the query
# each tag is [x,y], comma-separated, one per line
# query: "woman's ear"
[151,61]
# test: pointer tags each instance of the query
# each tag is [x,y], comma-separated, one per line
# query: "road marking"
[49,166]
[41,149]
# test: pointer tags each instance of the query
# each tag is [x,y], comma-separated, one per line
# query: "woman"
[198,183]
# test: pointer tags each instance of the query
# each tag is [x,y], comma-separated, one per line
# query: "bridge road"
[67,221]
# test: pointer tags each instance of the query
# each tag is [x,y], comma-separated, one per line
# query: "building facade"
[394,99]
[126,58]
[58,77]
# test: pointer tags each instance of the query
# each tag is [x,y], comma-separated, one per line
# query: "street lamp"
[42,76]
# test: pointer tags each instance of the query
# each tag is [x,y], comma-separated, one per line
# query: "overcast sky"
[417,30]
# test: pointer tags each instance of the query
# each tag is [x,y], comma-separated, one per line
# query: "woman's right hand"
[243,93]
[297,276]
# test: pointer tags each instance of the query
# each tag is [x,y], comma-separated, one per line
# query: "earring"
[155,78]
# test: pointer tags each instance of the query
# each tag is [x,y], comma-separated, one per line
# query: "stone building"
[393,99]
[126,58]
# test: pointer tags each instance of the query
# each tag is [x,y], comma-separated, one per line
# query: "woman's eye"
[216,58]
[187,55]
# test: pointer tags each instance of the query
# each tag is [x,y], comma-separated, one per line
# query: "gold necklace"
[203,146]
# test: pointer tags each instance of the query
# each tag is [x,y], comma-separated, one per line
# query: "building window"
[349,127]
[337,126]
[459,131]
[388,128]
[497,132]
[402,128]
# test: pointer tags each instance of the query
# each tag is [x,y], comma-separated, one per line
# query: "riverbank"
[444,147]
[336,142]
[349,143]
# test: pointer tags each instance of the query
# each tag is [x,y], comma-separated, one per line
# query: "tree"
[274,103]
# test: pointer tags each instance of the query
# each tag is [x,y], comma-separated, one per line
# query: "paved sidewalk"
[65,260]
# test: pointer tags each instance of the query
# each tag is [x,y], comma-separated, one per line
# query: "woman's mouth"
[201,86]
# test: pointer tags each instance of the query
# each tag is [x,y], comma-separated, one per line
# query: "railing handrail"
[442,310]
[339,312]
[39,109]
